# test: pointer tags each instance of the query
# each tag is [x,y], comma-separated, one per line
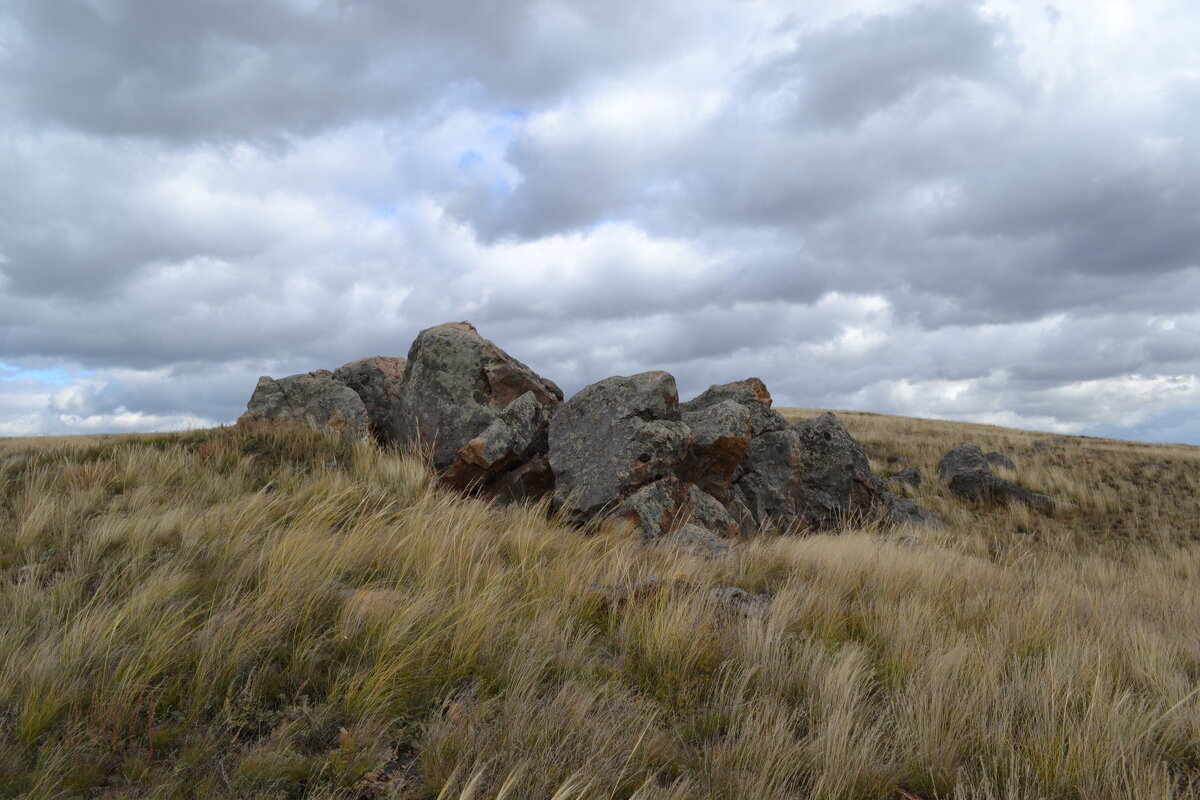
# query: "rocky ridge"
[696,473]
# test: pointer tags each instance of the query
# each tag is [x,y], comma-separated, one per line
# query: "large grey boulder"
[313,398]
[721,435]
[967,474]
[769,488]
[614,437]
[455,385]
[376,380]
[751,393]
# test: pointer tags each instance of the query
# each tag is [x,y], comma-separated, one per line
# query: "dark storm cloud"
[901,209]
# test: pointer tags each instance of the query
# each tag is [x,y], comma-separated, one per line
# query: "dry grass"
[214,614]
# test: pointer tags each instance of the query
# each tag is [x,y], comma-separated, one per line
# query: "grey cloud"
[883,211]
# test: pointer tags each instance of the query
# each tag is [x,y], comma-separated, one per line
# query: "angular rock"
[376,380]
[998,459]
[720,440]
[657,508]
[967,474]
[614,437]
[455,385]
[310,398]
[750,393]
[517,434]
[906,477]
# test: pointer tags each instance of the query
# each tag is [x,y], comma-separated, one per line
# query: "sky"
[983,211]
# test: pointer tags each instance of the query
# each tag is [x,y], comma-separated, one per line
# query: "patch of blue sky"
[52,376]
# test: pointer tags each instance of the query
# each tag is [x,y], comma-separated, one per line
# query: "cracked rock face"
[614,437]
[314,398]
[455,385]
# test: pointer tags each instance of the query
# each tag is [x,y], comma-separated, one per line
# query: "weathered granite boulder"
[967,474]
[455,385]
[720,440]
[614,437]
[311,398]
[376,380]
[516,435]
[750,393]
[998,459]
[769,488]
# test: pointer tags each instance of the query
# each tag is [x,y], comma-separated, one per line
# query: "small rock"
[897,462]
[656,508]
[906,477]
[997,459]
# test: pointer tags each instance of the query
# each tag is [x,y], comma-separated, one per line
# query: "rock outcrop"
[967,473]
[313,398]
[695,474]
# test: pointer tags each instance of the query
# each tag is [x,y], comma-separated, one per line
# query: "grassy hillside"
[214,614]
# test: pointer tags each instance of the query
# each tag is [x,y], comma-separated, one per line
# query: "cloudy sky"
[984,211]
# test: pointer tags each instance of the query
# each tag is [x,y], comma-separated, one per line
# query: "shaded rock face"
[837,476]
[967,474]
[614,437]
[455,385]
[376,380]
[310,398]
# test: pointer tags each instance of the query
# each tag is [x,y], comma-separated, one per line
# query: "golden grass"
[217,614]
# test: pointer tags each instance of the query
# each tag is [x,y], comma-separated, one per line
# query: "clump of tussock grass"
[284,614]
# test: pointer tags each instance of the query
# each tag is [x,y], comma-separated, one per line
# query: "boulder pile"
[700,472]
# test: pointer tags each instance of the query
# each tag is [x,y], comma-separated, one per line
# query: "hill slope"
[284,615]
